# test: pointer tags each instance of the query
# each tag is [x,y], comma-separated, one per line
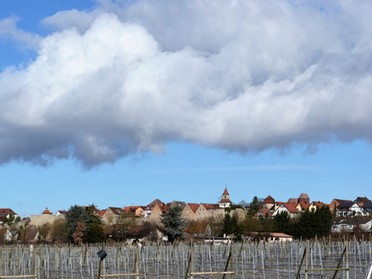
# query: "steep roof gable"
[193,206]
[304,205]
[269,199]
[291,207]
[116,210]
[154,202]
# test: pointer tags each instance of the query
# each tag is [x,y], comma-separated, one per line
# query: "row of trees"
[307,225]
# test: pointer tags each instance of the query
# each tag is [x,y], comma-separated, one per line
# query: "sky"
[120,102]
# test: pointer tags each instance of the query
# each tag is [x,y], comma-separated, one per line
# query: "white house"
[290,208]
[357,210]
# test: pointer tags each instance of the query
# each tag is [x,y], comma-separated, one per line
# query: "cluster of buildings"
[152,212]
[268,208]
[361,206]
[343,210]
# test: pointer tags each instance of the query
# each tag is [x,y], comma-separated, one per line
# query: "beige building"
[200,211]
[189,211]
[46,217]
[157,210]
[135,211]
[111,215]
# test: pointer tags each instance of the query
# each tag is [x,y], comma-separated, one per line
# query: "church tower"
[225,201]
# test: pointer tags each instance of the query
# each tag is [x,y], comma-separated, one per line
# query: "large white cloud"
[239,75]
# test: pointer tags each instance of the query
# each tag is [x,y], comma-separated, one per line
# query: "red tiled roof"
[304,205]
[291,207]
[268,199]
[224,200]
[210,206]
[193,206]
[47,211]
[225,192]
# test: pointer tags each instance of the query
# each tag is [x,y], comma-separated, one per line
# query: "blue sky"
[120,102]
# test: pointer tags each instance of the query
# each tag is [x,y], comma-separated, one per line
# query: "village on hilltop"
[349,215]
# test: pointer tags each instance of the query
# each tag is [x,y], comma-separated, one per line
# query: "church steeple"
[47,211]
[225,201]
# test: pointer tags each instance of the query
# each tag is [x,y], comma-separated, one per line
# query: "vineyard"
[298,259]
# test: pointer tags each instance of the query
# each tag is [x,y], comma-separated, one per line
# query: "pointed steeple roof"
[47,211]
[225,192]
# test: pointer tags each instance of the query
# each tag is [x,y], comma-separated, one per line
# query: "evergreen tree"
[173,223]
[231,226]
[94,226]
[75,215]
[282,222]
[228,224]
[84,225]
[315,223]
[94,233]
[254,206]
[325,221]
[251,224]
[267,224]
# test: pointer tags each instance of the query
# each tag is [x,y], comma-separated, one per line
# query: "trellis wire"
[255,260]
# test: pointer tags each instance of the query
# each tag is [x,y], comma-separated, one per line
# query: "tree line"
[307,225]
